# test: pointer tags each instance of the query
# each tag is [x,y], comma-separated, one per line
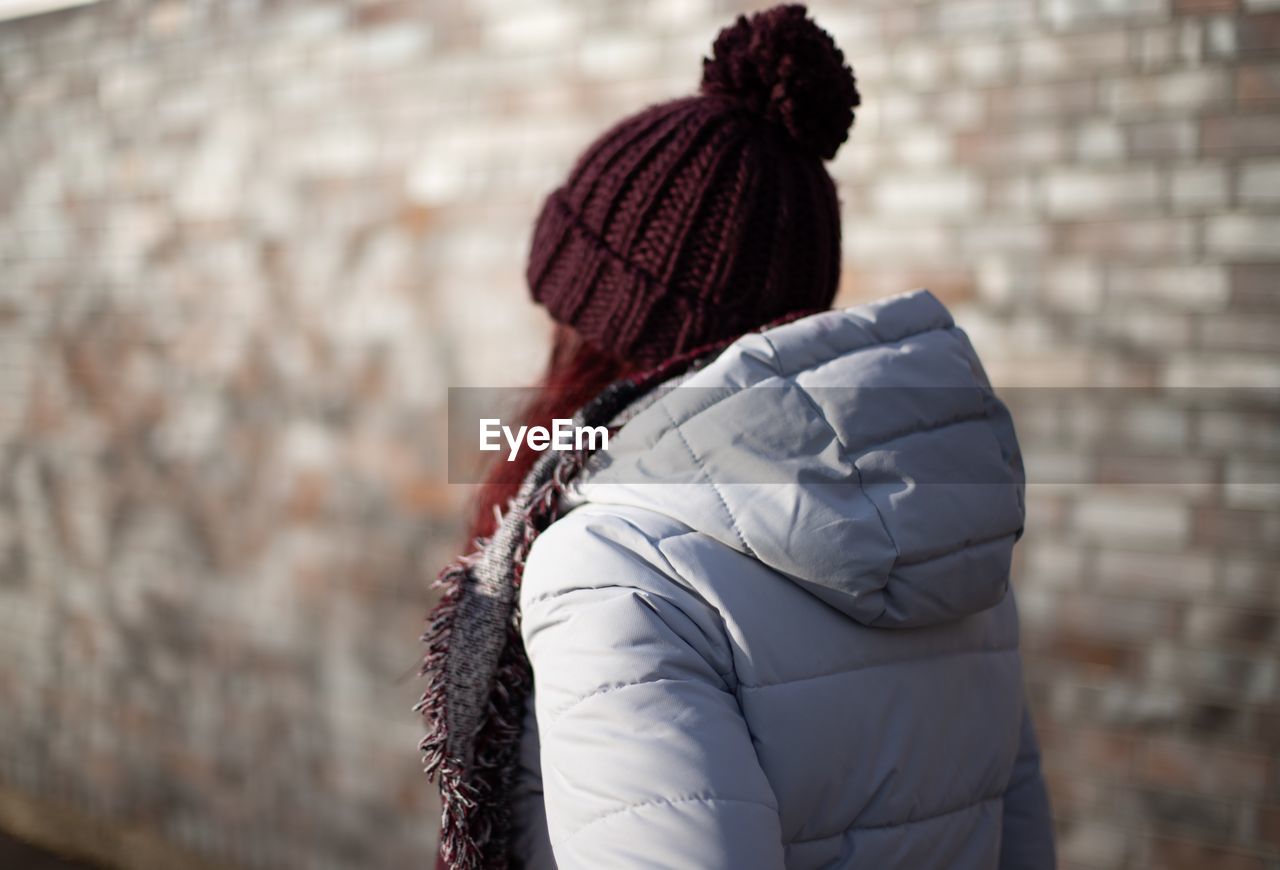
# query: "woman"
[771,625]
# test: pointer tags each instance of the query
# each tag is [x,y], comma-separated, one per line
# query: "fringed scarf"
[478,676]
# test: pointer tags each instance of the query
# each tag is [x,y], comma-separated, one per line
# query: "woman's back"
[776,628]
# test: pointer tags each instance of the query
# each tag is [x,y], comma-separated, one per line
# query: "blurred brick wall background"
[246,246]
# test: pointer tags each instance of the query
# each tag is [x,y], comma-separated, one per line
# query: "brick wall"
[246,246]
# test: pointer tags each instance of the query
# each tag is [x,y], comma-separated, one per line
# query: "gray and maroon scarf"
[478,676]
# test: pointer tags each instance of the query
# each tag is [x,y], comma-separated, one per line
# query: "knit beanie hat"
[709,215]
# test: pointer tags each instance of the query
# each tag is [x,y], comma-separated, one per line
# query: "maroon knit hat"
[710,215]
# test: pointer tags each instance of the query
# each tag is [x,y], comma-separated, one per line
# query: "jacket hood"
[859,452]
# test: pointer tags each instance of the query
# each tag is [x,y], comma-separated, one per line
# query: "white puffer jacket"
[776,628]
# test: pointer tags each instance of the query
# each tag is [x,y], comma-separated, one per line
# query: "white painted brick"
[210,189]
[690,14]
[1057,469]
[1051,102]
[167,19]
[1248,578]
[396,44]
[946,193]
[1221,370]
[1018,194]
[619,54]
[1039,145]
[1003,280]
[1132,237]
[125,84]
[1099,141]
[1253,484]
[871,66]
[1132,519]
[1259,182]
[1155,46]
[1176,91]
[1083,192]
[923,148]
[437,178]
[1246,331]
[1244,235]
[1076,13]
[1239,431]
[962,109]
[1054,564]
[1074,286]
[1184,574]
[1162,139]
[1196,288]
[1005,237]
[1146,328]
[1153,425]
[968,16]
[533,28]
[335,151]
[884,240]
[995,281]
[919,66]
[860,160]
[900,110]
[315,21]
[1198,187]
[1190,41]
[1096,843]
[983,62]
[1163,46]
[1220,37]
[1054,56]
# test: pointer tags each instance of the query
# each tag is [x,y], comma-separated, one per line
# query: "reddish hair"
[576,372]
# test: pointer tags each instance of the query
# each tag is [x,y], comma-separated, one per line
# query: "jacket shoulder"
[600,545]
[601,571]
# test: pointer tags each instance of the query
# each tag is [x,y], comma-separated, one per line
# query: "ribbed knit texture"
[692,220]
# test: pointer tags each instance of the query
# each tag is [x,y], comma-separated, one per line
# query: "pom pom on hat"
[788,70]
